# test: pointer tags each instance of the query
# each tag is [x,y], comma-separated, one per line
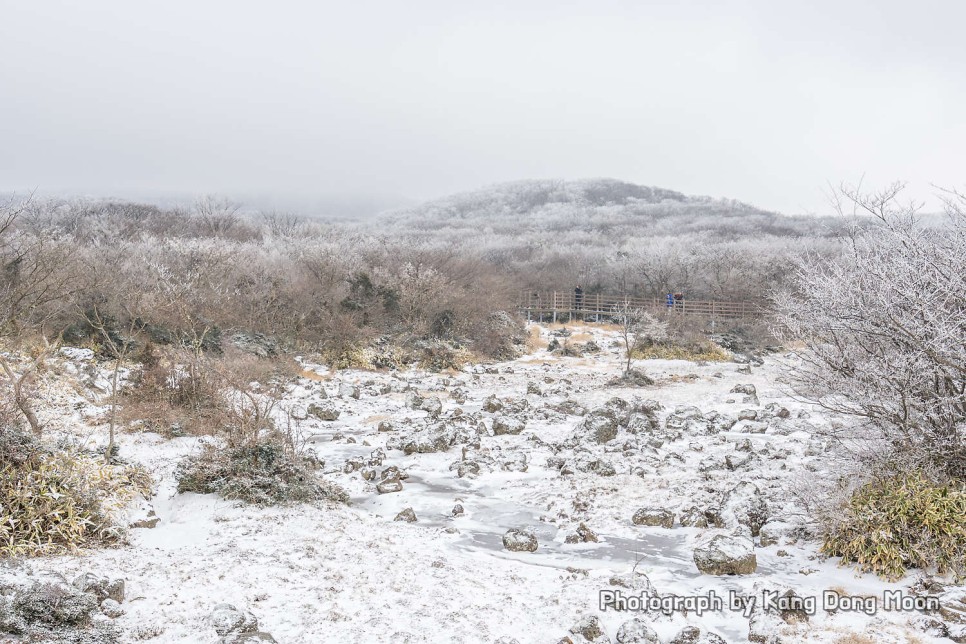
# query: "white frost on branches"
[885,328]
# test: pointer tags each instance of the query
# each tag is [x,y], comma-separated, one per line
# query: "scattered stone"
[653,517]
[738,460]
[492,404]
[634,580]
[693,518]
[407,515]
[111,608]
[348,390]
[637,631]
[458,510]
[144,517]
[516,462]
[694,635]
[726,555]
[745,505]
[101,587]
[228,620]
[590,629]
[774,531]
[520,540]
[385,426]
[389,483]
[503,426]
[326,412]
[433,406]
[582,535]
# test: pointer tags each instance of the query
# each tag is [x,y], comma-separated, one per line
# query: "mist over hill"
[608,206]
[610,235]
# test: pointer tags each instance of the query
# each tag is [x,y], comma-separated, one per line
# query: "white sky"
[757,100]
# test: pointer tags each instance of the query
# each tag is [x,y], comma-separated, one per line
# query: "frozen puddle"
[488,517]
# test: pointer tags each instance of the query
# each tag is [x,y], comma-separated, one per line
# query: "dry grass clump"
[704,351]
[180,393]
[53,502]
[900,522]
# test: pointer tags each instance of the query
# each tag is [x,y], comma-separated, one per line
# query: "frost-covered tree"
[885,327]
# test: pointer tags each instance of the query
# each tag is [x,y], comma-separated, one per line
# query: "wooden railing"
[601,306]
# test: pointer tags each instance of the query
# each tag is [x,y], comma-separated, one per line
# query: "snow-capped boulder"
[407,515]
[101,587]
[598,427]
[653,517]
[775,531]
[323,412]
[637,631]
[389,482]
[726,555]
[226,619]
[583,534]
[589,629]
[348,390]
[694,635]
[432,406]
[520,540]
[745,505]
[634,580]
[507,426]
[693,517]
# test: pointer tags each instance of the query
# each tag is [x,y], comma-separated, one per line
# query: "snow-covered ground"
[317,573]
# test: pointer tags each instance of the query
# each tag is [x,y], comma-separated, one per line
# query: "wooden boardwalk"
[562,305]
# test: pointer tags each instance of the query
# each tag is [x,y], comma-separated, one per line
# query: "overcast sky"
[758,100]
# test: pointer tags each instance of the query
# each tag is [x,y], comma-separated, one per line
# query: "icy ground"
[352,574]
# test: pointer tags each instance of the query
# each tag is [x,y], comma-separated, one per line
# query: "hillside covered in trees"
[610,235]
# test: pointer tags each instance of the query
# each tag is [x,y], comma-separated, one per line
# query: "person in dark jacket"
[578,300]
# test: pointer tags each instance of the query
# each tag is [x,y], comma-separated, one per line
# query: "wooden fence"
[557,305]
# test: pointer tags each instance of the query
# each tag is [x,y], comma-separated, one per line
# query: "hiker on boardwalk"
[578,300]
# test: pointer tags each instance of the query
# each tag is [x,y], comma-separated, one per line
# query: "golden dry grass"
[709,353]
[312,375]
[581,326]
[535,341]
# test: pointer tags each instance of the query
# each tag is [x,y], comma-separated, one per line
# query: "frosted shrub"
[884,324]
[267,471]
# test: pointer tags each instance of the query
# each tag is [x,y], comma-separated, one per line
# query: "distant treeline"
[445,270]
[613,236]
